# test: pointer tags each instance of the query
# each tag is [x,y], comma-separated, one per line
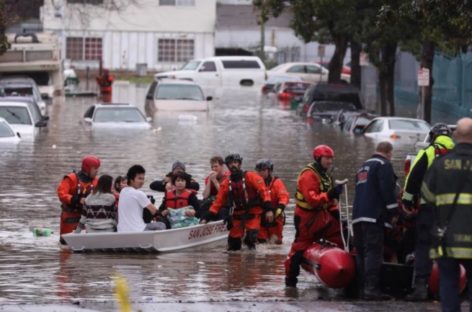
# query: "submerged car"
[7,134]
[123,116]
[175,95]
[311,72]
[273,81]
[21,118]
[330,92]
[397,129]
[290,93]
[327,111]
[22,87]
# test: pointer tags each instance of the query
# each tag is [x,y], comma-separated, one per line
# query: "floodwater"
[35,270]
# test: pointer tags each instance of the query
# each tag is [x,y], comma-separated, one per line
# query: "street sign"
[423,77]
[321,50]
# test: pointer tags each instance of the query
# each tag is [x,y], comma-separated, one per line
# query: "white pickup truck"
[221,72]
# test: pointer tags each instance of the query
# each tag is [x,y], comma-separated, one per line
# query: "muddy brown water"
[35,270]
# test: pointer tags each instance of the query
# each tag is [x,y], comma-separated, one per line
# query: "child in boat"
[99,210]
[181,198]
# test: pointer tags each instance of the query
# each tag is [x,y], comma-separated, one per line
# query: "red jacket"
[255,189]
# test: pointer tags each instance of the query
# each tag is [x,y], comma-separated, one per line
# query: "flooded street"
[35,270]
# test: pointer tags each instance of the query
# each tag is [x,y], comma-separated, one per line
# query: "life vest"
[70,215]
[80,188]
[177,201]
[238,194]
[325,185]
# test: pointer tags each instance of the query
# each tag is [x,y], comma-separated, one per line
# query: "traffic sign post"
[423,83]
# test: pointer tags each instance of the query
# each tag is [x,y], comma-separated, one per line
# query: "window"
[404,124]
[179,91]
[296,69]
[79,49]
[5,131]
[15,115]
[311,69]
[208,67]
[74,48]
[93,48]
[118,115]
[175,50]
[240,64]
[177,2]
[375,126]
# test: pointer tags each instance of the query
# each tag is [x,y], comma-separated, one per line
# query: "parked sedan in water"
[23,87]
[175,95]
[7,134]
[311,72]
[21,118]
[397,129]
[119,116]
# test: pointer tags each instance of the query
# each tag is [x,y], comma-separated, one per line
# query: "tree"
[388,20]
[326,21]
[266,8]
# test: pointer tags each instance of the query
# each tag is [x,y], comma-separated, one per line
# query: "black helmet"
[233,157]
[437,130]
[262,164]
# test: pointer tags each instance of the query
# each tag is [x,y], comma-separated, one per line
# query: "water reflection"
[35,270]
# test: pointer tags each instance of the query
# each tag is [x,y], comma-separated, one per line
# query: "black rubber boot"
[251,239]
[420,293]
[234,243]
[291,281]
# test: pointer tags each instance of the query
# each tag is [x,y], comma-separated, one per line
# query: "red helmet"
[322,151]
[89,162]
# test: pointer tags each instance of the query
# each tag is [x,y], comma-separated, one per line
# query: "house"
[159,35]
[237,29]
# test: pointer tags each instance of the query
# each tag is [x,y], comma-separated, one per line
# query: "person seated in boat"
[212,186]
[181,197]
[99,210]
[165,184]
[118,185]
[272,232]
[133,201]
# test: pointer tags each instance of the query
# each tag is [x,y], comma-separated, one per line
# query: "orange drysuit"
[248,198]
[279,198]
[316,216]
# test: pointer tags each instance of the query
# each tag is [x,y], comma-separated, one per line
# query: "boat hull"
[158,241]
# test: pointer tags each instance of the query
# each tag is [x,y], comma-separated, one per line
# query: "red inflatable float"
[334,267]
[433,283]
